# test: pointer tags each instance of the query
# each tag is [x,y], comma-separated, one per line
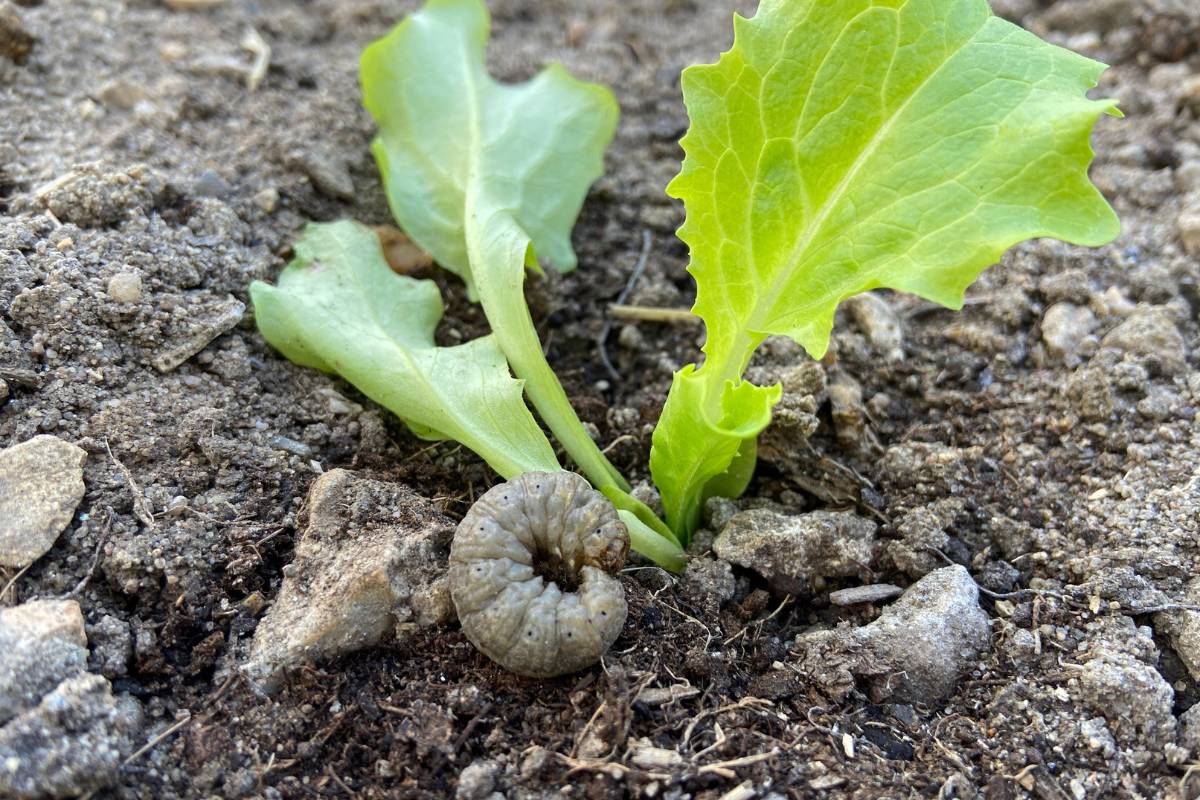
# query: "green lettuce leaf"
[842,146]
[482,175]
[339,308]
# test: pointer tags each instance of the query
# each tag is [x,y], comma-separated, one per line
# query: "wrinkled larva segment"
[532,574]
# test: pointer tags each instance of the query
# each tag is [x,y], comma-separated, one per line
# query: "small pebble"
[267,199]
[1189,230]
[125,287]
[873,593]
[210,184]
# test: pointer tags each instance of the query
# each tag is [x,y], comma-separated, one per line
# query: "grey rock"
[72,743]
[211,184]
[1149,331]
[918,649]
[372,558]
[41,643]
[476,781]
[1134,698]
[1065,326]
[41,483]
[872,593]
[327,172]
[201,324]
[112,646]
[795,552]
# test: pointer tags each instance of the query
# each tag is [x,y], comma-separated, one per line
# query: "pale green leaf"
[454,143]
[483,174]
[843,146]
[339,308]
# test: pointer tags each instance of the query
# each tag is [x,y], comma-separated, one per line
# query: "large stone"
[918,649]
[41,483]
[794,552]
[41,643]
[70,744]
[372,559]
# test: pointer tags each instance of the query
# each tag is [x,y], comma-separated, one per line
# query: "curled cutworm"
[533,574]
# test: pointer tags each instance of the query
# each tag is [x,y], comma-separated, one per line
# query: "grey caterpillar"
[532,574]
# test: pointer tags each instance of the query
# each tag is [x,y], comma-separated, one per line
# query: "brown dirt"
[1075,476]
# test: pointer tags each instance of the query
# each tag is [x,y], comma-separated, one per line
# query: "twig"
[141,509]
[725,766]
[652,314]
[257,46]
[14,580]
[148,746]
[638,269]
[83,582]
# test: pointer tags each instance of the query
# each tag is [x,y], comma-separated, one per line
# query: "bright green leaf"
[482,175]
[843,146]
[339,308]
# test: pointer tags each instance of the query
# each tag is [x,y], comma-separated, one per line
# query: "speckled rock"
[72,743]
[1064,327]
[371,560]
[795,552]
[41,483]
[915,652]
[41,643]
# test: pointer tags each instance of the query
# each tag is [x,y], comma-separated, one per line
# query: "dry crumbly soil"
[1056,459]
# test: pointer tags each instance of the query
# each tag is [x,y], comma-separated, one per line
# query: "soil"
[1068,480]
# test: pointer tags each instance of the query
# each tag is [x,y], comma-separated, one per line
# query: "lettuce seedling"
[842,146]
[835,148]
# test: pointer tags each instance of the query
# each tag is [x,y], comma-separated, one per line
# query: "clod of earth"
[794,552]
[1132,695]
[916,652]
[41,483]
[532,574]
[370,561]
[70,744]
